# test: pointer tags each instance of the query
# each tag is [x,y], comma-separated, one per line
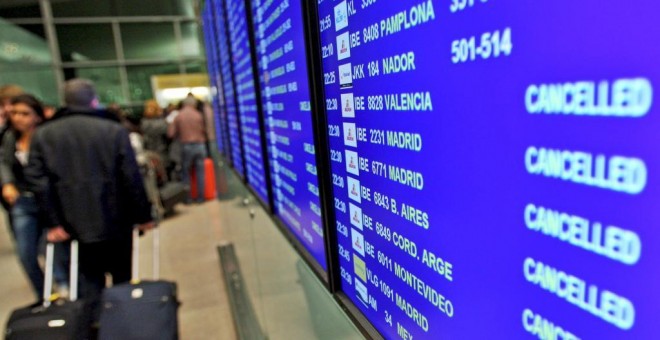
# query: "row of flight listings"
[491,163]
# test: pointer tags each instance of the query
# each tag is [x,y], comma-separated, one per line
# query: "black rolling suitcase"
[54,320]
[142,310]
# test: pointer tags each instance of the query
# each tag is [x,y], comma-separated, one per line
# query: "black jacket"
[83,171]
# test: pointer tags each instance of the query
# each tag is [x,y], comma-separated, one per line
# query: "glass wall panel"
[83,8]
[86,42]
[195,67]
[25,60]
[190,43]
[19,10]
[153,7]
[105,8]
[38,30]
[149,41]
[139,79]
[39,81]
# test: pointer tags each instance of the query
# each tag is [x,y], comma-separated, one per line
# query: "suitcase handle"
[135,268]
[73,272]
[151,187]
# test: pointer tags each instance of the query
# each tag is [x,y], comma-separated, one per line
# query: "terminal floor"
[189,256]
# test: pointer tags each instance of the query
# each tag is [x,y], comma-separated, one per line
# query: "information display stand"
[283,75]
[246,97]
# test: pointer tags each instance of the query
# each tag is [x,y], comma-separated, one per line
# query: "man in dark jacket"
[83,171]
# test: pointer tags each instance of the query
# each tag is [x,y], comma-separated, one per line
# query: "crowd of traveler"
[76,174]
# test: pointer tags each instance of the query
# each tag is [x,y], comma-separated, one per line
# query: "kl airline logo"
[345,76]
[354,190]
[356,215]
[352,162]
[341,16]
[344,46]
[362,292]
[360,268]
[358,241]
[350,135]
[348,105]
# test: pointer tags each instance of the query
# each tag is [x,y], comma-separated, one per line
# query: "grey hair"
[79,93]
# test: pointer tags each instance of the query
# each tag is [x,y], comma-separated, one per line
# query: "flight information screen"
[246,94]
[217,100]
[494,165]
[226,71]
[283,76]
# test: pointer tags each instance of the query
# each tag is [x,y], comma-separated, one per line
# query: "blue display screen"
[493,165]
[226,71]
[246,94]
[217,97]
[281,55]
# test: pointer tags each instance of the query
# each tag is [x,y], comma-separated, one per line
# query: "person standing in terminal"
[7,92]
[154,130]
[24,114]
[188,128]
[88,184]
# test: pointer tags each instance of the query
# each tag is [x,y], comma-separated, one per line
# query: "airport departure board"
[215,79]
[494,165]
[283,75]
[226,71]
[247,97]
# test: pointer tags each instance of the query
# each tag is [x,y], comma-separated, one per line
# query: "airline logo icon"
[358,241]
[360,268]
[362,292]
[350,135]
[352,162]
[354,189]
[347,105]
[343,46]
[356,215]
[345,76]
[341,16]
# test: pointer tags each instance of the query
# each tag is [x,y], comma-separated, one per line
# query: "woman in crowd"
[25,114]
